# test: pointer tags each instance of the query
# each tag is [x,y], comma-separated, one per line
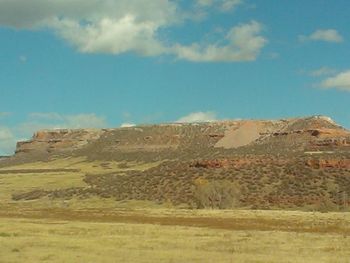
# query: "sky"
[112,63]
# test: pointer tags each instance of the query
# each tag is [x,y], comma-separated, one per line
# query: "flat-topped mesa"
[58,140]
[315,131]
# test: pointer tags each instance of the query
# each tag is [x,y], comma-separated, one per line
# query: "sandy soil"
[248,132]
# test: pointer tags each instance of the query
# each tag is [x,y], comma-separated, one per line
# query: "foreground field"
[159,235]
[101,228]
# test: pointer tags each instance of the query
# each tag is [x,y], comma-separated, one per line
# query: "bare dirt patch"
[247,133]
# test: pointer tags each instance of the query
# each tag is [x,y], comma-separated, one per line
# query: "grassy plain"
[56,174]
[95,229]
[52,240]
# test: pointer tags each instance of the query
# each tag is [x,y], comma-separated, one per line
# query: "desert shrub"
[326,205]
[216,194]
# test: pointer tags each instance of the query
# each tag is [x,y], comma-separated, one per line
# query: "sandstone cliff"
[48,141]
[312,133]
[289,163]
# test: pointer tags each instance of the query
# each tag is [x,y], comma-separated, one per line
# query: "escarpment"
[301,134]
[54,141]
[288,163]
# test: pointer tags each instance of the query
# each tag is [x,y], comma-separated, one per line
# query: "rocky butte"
[288,163]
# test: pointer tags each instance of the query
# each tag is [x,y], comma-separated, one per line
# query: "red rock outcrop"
[328,163]
[58,140]
[300,133]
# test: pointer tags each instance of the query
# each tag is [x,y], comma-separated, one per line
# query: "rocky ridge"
[289,163]
[312,132]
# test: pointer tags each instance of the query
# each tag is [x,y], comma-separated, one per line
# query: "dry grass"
[28,177]
[23,240]
[98,229]
[26,182]
[85,166]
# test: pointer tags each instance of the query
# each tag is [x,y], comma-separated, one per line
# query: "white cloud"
[243,44]
[223,5]
[41,13]
[340,81]
[5,134]
[328,35]
[228,5]
[323,71]
[7,141]
[198,117]
[127,125]
[96,26]
[113,36]
[119,26]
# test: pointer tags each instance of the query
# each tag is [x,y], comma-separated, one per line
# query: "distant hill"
[298,163]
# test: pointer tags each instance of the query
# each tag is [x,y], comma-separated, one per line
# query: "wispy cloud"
[5,133]
[199,116]
[327,35]
[340,81]
[228,5]
[323,71]
[48,116]
[222,5]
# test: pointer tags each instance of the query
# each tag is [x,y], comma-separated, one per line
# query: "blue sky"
[105,63]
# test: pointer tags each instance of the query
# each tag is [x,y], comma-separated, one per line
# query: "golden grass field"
[104,230]
[52,240]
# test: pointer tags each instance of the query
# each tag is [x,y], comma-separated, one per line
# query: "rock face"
[51,141]
[273,164]
[312,133]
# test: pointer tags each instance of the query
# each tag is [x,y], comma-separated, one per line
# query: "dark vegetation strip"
[235,224]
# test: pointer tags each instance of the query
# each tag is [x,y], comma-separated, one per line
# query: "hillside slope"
[300,163]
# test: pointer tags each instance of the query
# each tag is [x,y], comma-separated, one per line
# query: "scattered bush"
[216,194]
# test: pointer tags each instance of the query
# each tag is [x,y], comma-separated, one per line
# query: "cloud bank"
[120,26]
